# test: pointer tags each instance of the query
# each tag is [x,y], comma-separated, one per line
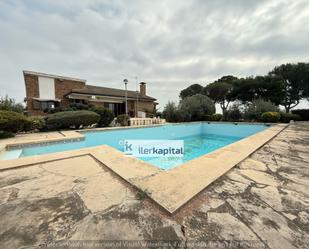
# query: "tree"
[191,90]
[259,87]
[9,104]
[194,108]
[256,108]
[234,113]
[295,80]
[220,92]
[171,112]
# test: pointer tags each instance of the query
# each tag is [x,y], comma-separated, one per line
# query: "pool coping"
[66,136]
[77,135]
[181,183]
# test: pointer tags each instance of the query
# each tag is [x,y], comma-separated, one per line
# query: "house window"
[80,101]
[46,88]
[45,105]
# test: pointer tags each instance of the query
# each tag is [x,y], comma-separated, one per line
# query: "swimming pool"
[199,139]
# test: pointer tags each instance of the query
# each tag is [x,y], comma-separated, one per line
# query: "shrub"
[9,104]
[57,109]
[123,120]
[270,117]
[303,113]
[158,114]
[206,118]
[287,117]
[234,113]
[171,113]
[6,134]
[71,107]
[13,121]
[255,109]
[68,119]
[216,117]
[106,116]
[80,106]
[194,108]
[36,123]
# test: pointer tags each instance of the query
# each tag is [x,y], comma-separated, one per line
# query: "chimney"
[142,88]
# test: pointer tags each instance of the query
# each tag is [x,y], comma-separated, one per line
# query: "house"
[46,91]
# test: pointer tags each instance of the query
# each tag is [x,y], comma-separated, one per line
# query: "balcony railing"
[146,121]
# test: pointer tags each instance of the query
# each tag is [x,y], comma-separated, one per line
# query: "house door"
[119,109]
[116,108]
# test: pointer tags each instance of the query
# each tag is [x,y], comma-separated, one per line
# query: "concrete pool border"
[181,184]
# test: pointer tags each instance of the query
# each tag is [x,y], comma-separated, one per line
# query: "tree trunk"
[224,110]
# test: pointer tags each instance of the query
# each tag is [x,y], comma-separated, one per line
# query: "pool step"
[10,154]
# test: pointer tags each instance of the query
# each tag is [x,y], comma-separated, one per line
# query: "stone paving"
[263,202]
[41,137]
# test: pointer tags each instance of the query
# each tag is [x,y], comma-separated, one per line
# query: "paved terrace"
[264,200]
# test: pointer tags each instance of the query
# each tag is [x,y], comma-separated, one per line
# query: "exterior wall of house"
[62,87]
[146,106]
[32,91]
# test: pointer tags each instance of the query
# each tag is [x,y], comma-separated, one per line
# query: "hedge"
[303,113]
[270,117]
[287,117]
[106,116]
[6,134]
[216,117]
[13,122]
[71,119]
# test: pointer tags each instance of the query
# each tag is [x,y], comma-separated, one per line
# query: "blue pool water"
[199,139]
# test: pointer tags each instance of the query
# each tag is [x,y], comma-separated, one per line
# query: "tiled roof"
[106,91]
[54,76]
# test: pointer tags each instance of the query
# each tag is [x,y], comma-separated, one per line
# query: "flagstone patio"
[263,201]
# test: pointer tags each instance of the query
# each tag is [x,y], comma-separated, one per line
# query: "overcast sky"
[169,44]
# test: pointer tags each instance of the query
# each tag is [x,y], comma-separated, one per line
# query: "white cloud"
[169,44]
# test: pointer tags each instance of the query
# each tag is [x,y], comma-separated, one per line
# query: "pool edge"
[143,176]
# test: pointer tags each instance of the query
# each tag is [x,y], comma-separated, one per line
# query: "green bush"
[255,109]
[6,134]
[80,106]
[13,121]
[303,113]
[287,117]
[106,116]
[270,117]
[123,119]
[171,113]
[194,108]
[9,104]
[234,113]
[71,119]
[36,123]
[216,117]
[57,109]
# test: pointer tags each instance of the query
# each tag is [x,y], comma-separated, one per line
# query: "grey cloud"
[169,44]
